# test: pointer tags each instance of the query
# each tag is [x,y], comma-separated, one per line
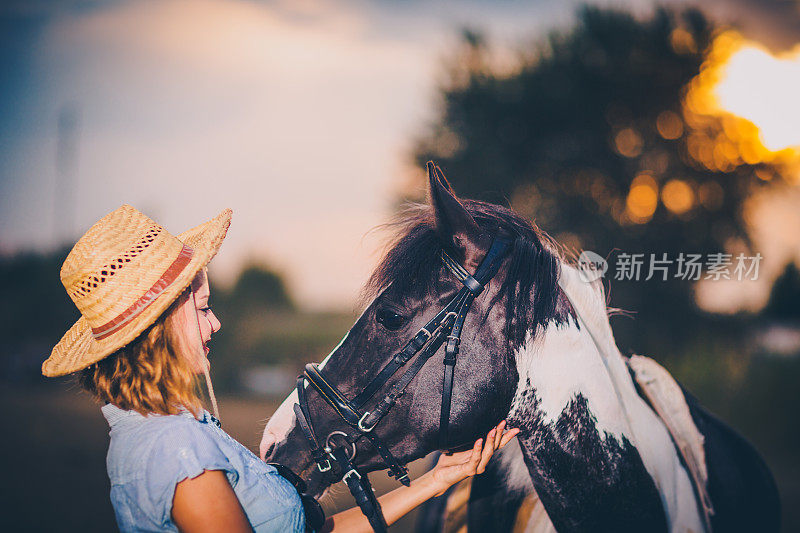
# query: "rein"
[444,328]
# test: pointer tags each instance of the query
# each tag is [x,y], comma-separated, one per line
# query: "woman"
[139,345]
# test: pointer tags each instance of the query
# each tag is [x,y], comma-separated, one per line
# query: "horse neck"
[575,436]
[562,380]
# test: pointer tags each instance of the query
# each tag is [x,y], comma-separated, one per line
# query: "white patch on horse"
[566,360]
[283,421]
[561,363]
[280,424]
[648,432]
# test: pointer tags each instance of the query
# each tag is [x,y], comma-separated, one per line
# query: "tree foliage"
[257,287]
[588,137]
[785,295]
[36,309]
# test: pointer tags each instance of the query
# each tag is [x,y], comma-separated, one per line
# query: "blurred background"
[619,127]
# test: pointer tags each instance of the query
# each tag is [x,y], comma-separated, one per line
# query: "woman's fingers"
[487,452]
[508,436]
[475,457]
[469,463]
[476,452]
[496,439]
[498,434]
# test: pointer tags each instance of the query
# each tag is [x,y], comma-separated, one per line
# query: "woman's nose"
[215,324]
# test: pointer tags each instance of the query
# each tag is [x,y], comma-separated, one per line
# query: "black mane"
[413,265]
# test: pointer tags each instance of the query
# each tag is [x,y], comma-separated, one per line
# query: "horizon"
[300,116]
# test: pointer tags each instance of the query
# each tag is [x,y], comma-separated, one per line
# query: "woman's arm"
[450,469]
[207,503]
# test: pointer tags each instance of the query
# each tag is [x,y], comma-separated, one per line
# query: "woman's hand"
[451,469]
[448,470]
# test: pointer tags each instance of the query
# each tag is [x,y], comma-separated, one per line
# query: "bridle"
[446,326]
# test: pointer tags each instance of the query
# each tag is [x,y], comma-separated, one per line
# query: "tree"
[784,298]
[259,287]
[589,138]
[36,312]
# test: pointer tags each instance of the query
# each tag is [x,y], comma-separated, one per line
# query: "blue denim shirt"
[149,455]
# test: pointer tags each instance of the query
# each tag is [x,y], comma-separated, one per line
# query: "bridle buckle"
[351,472]
[326,468]
[361,425]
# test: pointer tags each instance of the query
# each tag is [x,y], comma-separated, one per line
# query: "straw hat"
[122,275]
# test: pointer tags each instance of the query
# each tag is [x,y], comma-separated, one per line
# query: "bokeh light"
[677,196]
[628,142]
[642,199]
[711,195]
[742,109]
[669,125]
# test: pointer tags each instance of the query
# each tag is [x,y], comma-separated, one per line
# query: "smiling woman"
[139,345]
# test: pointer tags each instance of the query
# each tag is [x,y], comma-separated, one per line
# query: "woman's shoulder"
[152,429]
[149,455]
[161,446]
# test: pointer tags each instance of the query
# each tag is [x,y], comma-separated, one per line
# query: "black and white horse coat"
[590,388]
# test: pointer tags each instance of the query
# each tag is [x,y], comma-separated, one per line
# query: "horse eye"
[389,319]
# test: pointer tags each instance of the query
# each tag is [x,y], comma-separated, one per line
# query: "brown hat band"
[166,279]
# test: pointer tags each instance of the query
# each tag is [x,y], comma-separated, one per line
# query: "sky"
[300,115]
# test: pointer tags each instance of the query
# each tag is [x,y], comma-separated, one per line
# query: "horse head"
[409,287]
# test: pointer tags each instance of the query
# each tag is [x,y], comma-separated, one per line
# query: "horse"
[592,453]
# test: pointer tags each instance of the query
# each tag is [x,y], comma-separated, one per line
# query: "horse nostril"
[268,454]
[267,445]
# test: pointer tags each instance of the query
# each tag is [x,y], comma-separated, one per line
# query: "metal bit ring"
[343,434]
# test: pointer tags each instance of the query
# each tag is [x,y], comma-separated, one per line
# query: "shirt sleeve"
[180,451]
[291,519]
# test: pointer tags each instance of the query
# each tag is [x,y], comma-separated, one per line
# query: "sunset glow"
[764,89]
[753,93]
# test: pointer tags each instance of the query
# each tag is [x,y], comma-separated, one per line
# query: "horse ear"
[454,225]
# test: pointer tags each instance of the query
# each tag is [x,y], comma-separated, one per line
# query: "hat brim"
[78,348]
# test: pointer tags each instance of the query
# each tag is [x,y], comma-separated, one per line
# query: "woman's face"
[195,314]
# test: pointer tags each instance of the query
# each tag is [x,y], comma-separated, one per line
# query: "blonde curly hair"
[149,375]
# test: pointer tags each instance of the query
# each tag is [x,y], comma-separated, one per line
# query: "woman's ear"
[456,228]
